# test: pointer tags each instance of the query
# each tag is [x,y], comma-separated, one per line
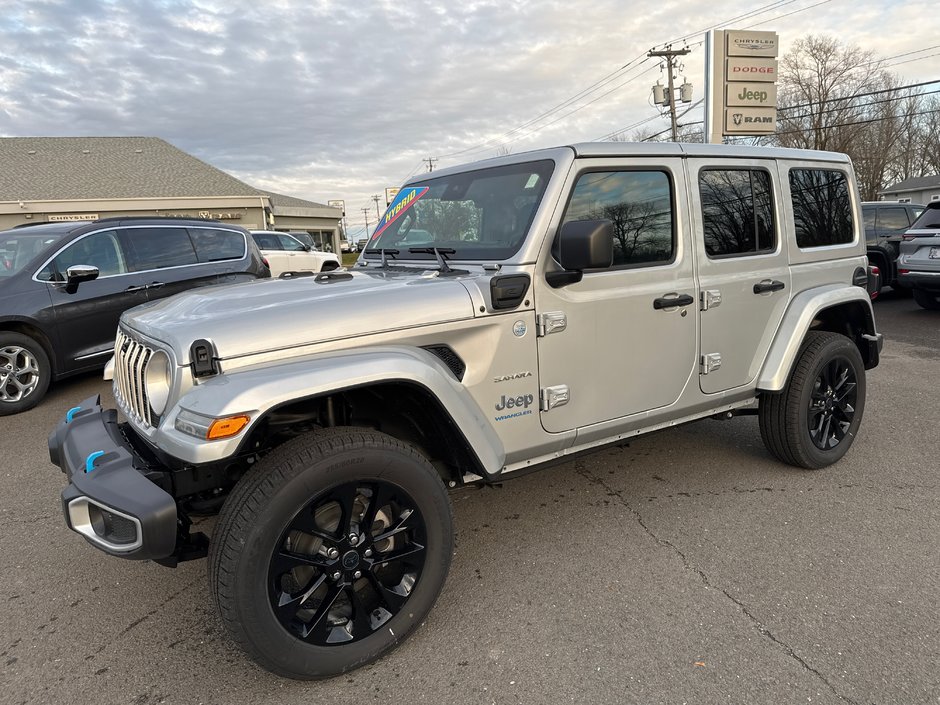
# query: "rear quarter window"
[822,208]
[216,245]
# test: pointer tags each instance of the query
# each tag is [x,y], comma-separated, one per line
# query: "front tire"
[25,373]
[813,421]
[330,551]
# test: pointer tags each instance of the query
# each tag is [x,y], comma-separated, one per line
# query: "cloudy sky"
[322,99]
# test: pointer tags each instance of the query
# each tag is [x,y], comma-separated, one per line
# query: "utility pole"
[431,162]
[669,54]
[365,213]
[375,198]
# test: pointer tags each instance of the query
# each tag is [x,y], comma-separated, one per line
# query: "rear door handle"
[672,301]
[768,285]
[130,289]
[155,285]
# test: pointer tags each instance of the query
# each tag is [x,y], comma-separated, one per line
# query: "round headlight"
[157,381]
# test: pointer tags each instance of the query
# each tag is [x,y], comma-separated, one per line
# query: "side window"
[102,250]
[639,203]
[822,209]
[892,219]
[266,241]
[157,248]
[215,245]
[737,212]
[869,215]
[289,243]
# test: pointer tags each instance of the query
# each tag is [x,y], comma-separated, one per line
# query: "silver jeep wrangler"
[505,316]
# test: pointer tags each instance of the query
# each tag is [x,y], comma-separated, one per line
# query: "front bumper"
[109,500]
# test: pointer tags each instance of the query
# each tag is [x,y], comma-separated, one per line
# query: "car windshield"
[480,215]
[930,218]
[21,246]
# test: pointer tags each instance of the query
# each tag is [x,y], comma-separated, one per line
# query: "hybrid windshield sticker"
[405,199]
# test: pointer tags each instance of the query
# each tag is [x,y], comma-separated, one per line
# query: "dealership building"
[48,179]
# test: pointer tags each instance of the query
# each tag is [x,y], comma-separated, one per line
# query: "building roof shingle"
[76,168]
[915,184]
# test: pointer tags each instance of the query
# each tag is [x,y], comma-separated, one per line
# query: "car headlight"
[157,380]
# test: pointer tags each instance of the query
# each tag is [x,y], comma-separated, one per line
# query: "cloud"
[324,99]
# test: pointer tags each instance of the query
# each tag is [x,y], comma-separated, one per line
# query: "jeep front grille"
[130,366]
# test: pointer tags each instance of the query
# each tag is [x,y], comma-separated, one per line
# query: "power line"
[856,107]
[861,95]
[777,17]
[861,122]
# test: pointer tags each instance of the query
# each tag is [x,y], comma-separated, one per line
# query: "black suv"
[63,287]
[885,224]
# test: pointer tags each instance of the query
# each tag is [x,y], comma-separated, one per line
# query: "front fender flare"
[258,389]
[802,311]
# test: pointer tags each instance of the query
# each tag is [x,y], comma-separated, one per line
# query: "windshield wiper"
[441,254]
[383,251]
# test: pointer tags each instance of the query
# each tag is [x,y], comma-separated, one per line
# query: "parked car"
[284,254]
[885,224]
[346,246]
[919,263]
[63,287]
[569,300]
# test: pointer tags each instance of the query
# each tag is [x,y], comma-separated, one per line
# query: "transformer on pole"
[670,54]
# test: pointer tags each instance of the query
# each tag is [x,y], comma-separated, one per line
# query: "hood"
[271,314]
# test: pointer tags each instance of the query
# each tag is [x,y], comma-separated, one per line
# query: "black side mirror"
[582,244]
[78,273]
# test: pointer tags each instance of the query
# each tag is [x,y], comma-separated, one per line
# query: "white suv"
[286,254]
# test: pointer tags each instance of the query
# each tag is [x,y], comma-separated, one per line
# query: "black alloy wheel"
[347,563]
[812,422]
[832,404]
[330,551]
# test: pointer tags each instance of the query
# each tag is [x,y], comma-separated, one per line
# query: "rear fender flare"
[797,321]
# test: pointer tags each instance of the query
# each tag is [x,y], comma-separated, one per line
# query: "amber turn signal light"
[226,428]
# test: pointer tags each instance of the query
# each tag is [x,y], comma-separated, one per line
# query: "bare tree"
[838,97]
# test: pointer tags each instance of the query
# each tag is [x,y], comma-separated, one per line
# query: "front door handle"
[155,285]
[768,285]
[672,301]
[130,289]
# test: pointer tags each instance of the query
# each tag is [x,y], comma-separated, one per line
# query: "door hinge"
[710,362]
[711,298]
[551,322]
[550,397]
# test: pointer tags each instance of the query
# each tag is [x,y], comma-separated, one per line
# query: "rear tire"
[813,421]
[25,373]
[927,300]
[310,578]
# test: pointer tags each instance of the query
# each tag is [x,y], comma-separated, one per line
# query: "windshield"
[480,215]
[930,218]
[21,246]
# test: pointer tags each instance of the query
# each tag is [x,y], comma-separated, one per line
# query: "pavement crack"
[147,616]
[762,628]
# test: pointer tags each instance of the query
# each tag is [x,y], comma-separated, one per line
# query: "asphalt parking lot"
[687,567]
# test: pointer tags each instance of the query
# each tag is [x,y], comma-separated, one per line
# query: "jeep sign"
[758,95]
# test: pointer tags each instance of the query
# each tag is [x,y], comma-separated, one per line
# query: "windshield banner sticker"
[405,199]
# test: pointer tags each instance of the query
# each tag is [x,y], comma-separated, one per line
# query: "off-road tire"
[784,416]
[262,507]
[14,348]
